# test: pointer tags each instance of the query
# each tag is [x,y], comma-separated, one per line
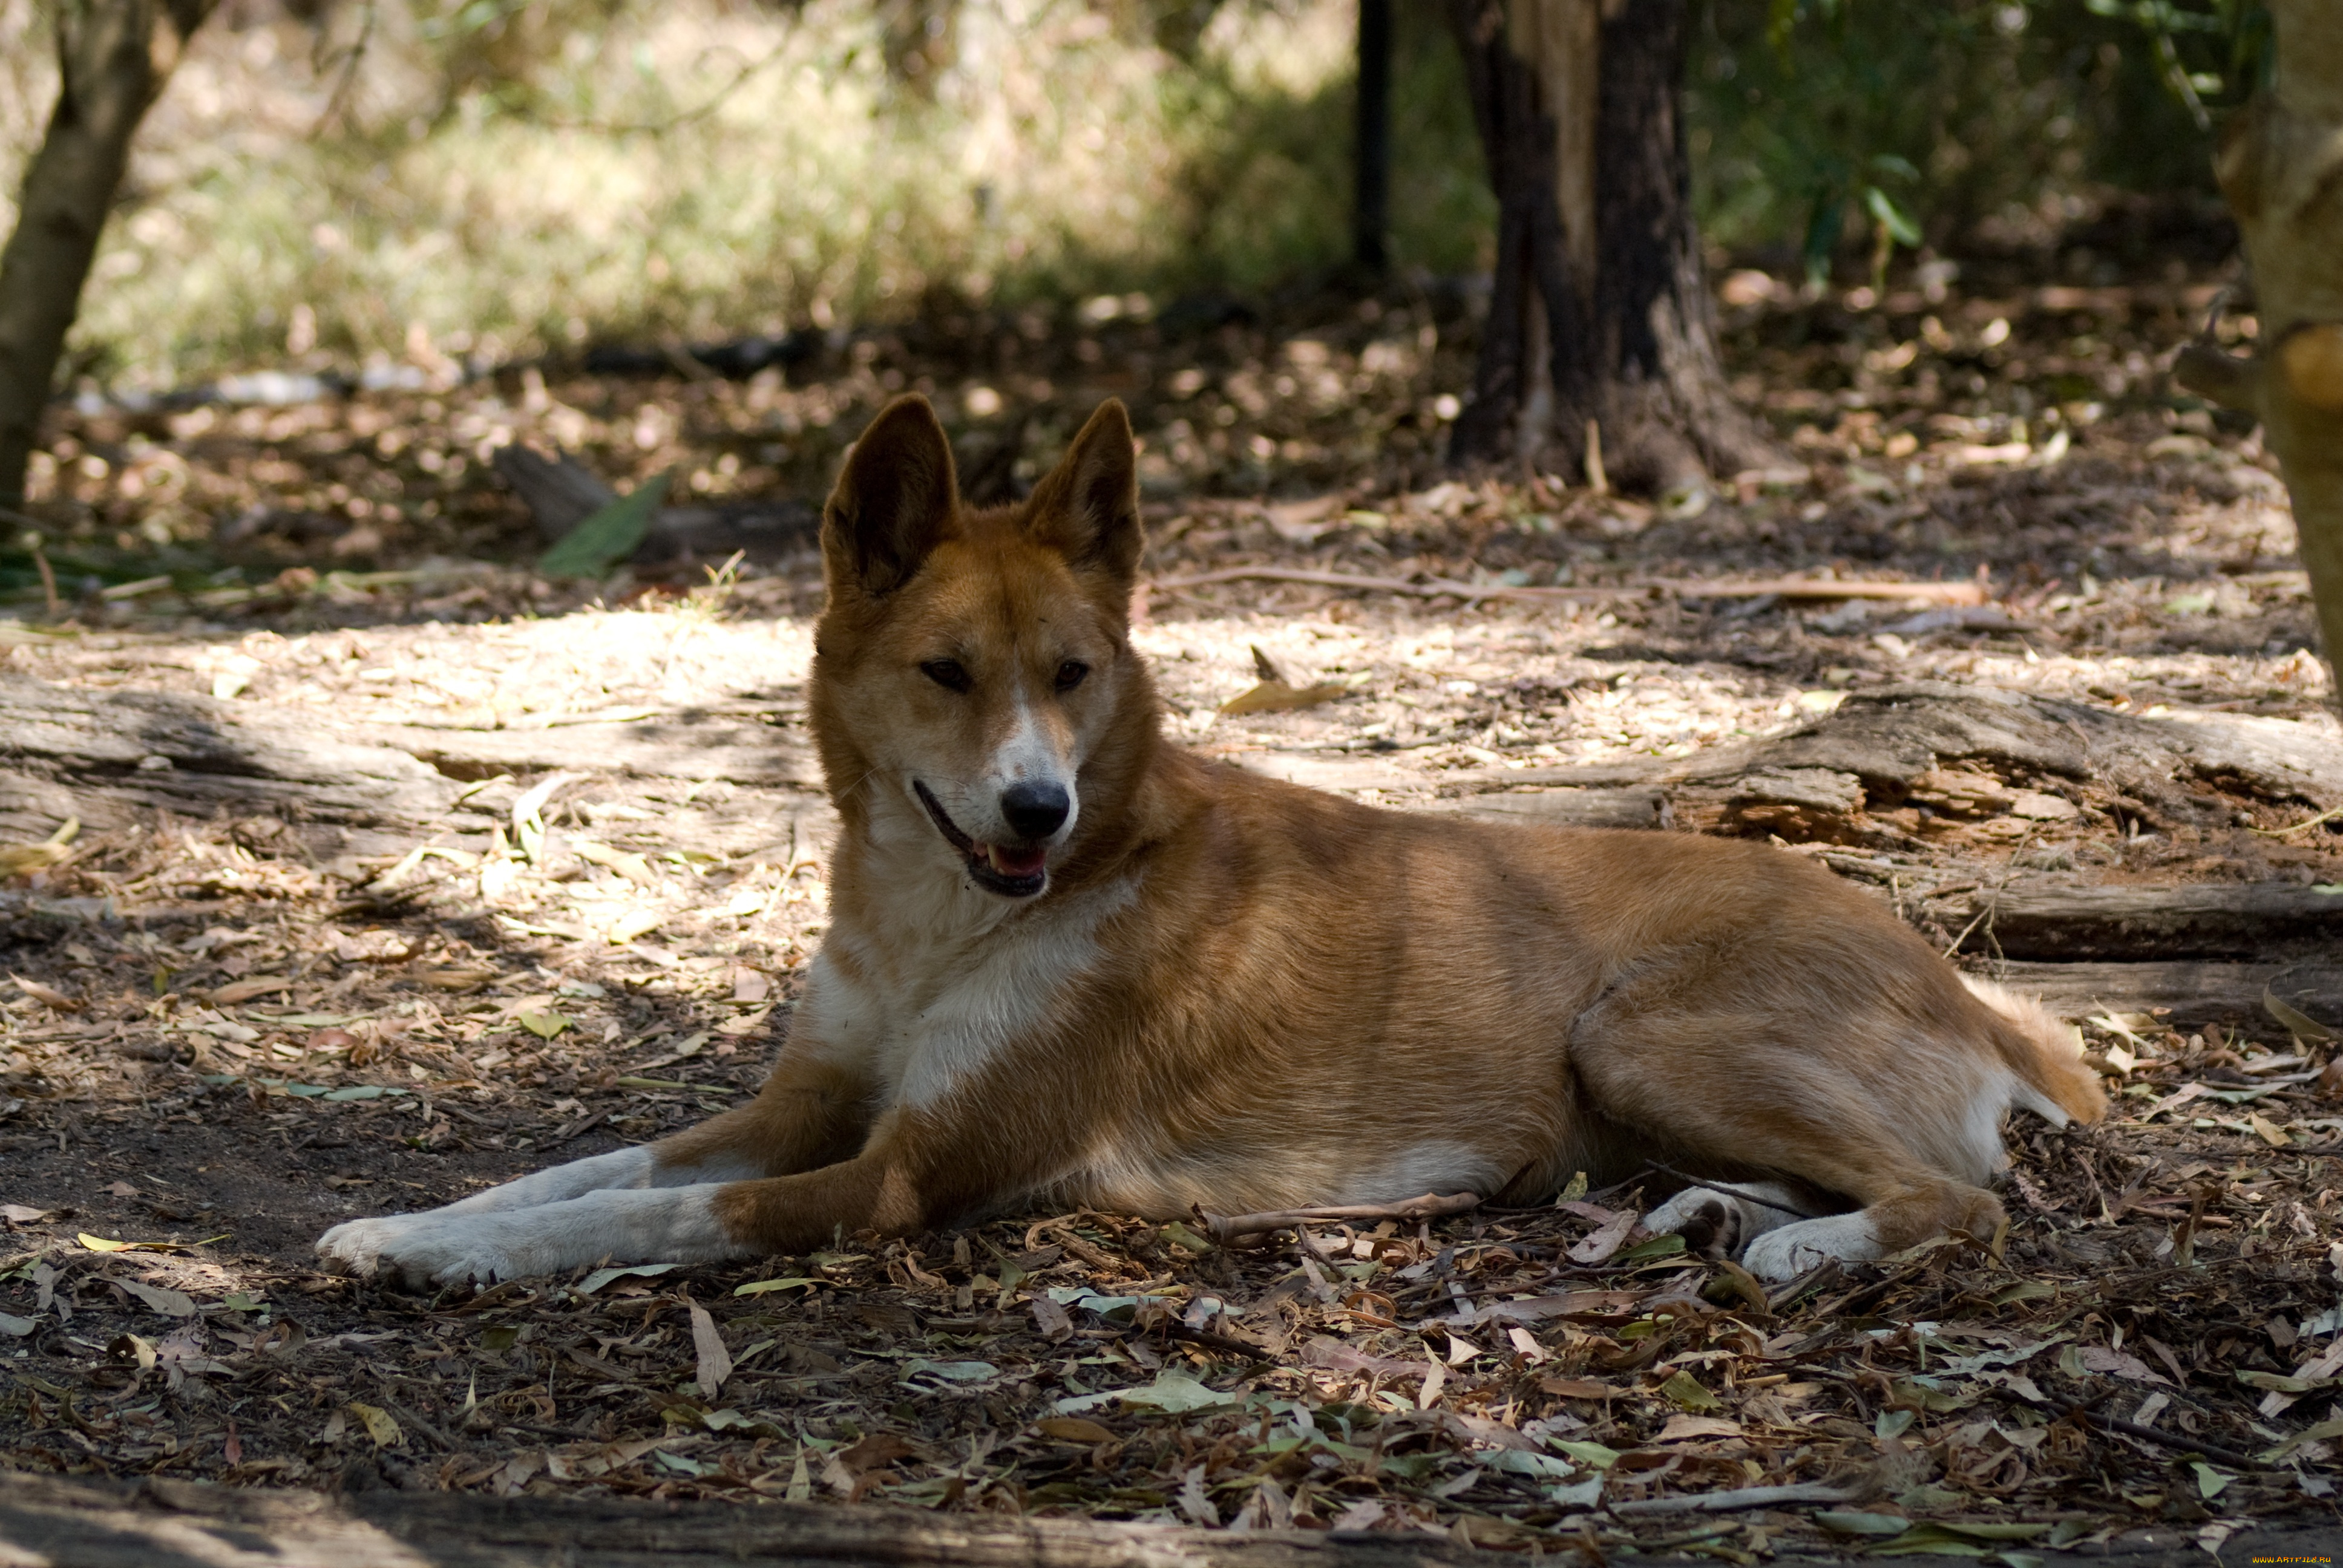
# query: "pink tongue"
[1011,862]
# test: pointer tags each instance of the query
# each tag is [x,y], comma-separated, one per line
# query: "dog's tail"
[2045,1054]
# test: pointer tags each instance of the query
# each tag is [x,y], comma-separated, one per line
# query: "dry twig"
[1949,593]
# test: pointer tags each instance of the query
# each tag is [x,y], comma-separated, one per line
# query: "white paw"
[1785,1254]
[1718,1224]
[418,1248]
[1710,1221]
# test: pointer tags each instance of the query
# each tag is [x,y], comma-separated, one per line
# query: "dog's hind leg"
[1754,1069]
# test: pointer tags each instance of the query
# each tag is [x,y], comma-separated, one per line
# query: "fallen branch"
[2159,924]
[1952,593]
[1227,1228]
[2084,1413]
[1812,587]
[1735,1501]
[2197,993]
[1436,588]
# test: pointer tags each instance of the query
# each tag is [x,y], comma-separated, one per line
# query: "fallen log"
[112,758]
[2194,994]
[562,492]
[1572,808]
[62,1523]
[677,747]
[1880,749]
[2256,921]
[166,1523]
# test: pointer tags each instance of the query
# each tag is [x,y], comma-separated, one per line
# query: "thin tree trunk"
[1599,315]
[1370,213]
[2281,167]
[114,57]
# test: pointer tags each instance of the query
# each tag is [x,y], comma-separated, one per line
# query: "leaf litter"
[255,1043]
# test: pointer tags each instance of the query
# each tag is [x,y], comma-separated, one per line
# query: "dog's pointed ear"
[896,501]
[1087,508]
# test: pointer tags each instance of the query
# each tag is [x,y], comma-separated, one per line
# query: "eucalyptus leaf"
[604,538]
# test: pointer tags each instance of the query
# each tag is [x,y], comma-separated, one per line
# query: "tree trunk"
[2281,167]
[114,57]
[1371,209]
[1600,355]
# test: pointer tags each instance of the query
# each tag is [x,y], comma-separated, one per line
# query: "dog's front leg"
[811,1112]
[896,1186]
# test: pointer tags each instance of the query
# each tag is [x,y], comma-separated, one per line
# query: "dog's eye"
[946,673]
[1071,673]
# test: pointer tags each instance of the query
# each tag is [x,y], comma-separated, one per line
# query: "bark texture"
[163,1522]
[114,57]
[2242,920]
[1599,316]
[2281,167]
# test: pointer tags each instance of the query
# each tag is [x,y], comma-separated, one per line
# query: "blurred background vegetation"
[345,181]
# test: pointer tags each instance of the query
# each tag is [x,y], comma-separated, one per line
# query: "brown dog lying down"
[1068,962]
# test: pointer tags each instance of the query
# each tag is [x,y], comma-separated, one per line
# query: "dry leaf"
[1434,1381]
[1276,697]
[378,1424]
[23,859]
[45,995]
[633,867]
[236,992]
[633,923]
[1072,1429]
[2302,1024]
[878,1450]
[1686,1390]
[1598,1247]
[170,1303]
[715,1360]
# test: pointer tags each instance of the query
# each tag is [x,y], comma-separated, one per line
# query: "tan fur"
[1240,993]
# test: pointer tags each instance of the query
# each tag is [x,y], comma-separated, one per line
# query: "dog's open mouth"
[1013,870]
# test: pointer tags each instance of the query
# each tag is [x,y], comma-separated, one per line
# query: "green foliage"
[1861,120]
[2233,36]
[603,538]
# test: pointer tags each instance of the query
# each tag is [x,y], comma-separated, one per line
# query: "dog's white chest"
[923,1016]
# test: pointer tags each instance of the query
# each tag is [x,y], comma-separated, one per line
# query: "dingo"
[1071,962]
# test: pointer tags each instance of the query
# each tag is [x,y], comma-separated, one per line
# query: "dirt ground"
[215,1046]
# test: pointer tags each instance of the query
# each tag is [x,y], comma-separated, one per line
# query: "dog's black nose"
[1035,810]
